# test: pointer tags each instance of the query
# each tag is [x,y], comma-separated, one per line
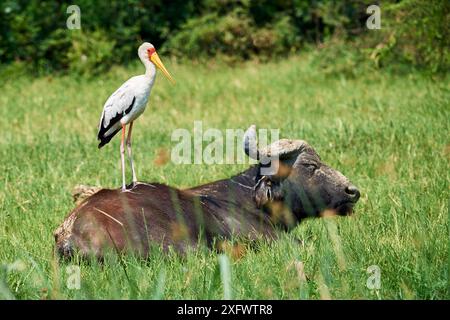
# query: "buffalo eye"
[311,166]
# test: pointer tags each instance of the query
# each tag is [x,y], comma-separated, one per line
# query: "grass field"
[388,133]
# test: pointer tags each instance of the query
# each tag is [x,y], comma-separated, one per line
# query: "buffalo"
[249,205]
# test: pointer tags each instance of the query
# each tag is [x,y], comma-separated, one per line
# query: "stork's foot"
[145,184]
[134,184]
[130,187]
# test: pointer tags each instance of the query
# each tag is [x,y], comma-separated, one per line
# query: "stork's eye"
[151,51]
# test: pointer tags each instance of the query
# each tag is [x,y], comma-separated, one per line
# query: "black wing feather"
[101,133]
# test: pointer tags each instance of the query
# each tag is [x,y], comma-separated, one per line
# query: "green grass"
[388,133]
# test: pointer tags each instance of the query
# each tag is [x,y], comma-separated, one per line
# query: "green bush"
[90,52]
[35,33]
[233,36]
[335,59]
[211,34]
[419,33]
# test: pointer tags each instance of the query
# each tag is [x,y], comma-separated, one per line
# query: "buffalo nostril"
[353,192]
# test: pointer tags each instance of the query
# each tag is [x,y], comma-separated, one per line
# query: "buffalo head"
[301,181]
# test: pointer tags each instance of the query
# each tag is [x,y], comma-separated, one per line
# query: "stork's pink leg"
[130,154]
[122,158]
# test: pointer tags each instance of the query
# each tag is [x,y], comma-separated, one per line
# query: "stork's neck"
[150,70]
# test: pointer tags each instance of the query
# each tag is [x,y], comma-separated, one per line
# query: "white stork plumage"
[129,102]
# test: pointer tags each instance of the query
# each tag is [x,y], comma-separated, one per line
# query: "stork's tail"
[105,140]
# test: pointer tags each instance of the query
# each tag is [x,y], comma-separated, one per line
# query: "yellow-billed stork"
[129,102]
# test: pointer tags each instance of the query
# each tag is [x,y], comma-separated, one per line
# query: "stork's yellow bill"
[158,63]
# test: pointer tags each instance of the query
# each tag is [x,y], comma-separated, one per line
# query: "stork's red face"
[150,52]
[153,57]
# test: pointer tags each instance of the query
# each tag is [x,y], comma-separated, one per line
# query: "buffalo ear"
[266,191]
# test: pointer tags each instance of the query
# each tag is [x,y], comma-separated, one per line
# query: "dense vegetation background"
[34,33]
[373,103]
